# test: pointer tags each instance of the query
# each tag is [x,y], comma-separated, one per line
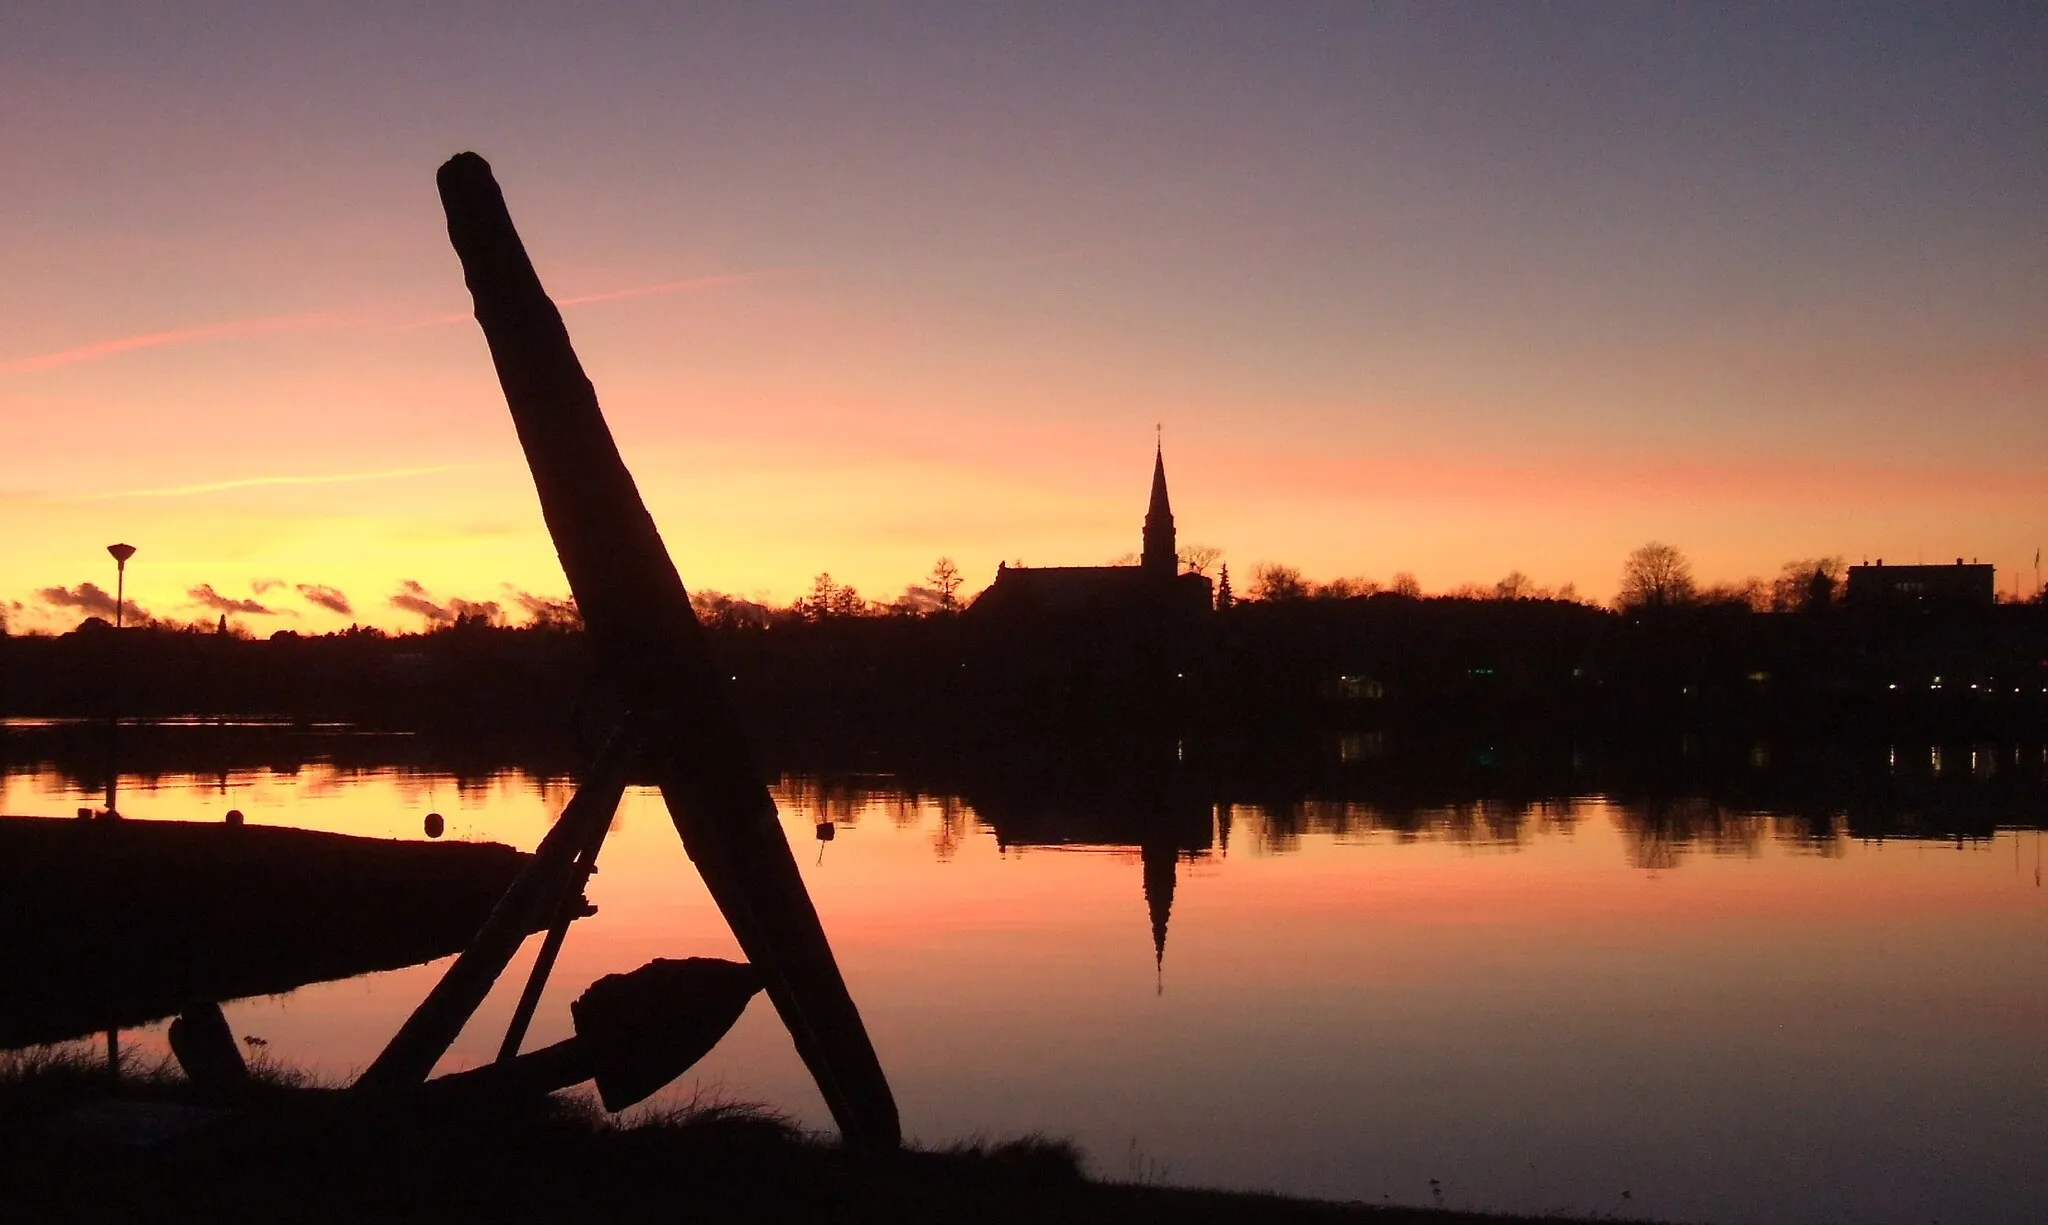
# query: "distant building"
[1152,589]
[1934,588]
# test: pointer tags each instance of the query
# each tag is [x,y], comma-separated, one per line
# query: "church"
[1154,590]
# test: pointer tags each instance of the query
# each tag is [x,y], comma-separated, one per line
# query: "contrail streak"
[717,281]
[233,329]
[227,330]
[247,482]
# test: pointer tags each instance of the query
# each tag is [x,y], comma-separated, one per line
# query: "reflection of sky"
[1413,287]
[1754,1032]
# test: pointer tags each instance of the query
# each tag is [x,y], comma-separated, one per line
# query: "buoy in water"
[435,825]
[234,816]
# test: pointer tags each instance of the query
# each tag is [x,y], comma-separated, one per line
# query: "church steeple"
[1159,556]
[1160,860]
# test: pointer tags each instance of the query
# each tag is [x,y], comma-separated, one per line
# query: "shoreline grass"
[79,1144]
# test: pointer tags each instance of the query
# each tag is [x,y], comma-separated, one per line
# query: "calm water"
[1677,1012]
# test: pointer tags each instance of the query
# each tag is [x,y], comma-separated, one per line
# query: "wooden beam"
[647,640]
[565,911]
[433,1027]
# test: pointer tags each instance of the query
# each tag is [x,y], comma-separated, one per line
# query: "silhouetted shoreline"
[1444,663]
[78,1145]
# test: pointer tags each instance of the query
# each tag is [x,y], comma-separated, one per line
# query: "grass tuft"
[1036,1158]
[706,1112]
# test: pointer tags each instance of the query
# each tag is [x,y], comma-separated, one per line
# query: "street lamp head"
[121,552]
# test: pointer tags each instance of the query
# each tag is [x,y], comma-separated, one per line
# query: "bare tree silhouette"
[1273,581]
[1655,576]
[1198,558]
[945,579]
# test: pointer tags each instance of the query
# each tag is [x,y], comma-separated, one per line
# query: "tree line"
[1654,577]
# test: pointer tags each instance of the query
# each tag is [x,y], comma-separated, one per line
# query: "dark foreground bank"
[108,924]
[77,1146]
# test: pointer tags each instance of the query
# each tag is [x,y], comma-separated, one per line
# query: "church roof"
[1150,589]
[1062,589]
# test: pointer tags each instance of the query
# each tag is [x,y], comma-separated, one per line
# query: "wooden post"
[648,642]
[434,1025]
[551,945]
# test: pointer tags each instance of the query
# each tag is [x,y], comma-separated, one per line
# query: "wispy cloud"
[686,285]
[544,609]
[232,329]
[248,482]
[206,597]
[87,598]
[414,598]
[270,325]
[333,599]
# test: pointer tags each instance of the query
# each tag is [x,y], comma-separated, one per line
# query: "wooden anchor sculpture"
[633,1034]
[682,725]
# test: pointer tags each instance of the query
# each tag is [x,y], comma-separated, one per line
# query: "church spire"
[1159,860]
[1159,556]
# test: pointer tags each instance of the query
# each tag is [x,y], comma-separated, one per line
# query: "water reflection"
[1683,795]
[1658,832]
[1788,984]
[1499,823]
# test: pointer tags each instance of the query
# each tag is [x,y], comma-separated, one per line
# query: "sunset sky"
[1444,288]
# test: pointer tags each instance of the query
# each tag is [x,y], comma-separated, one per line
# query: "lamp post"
[121,553]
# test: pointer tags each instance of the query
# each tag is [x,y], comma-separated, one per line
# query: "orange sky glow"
[859,294]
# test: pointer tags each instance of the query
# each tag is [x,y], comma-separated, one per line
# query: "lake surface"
[1668,1009]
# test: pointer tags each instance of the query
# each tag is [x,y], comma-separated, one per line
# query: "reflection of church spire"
[1159,556]
[1159,859]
